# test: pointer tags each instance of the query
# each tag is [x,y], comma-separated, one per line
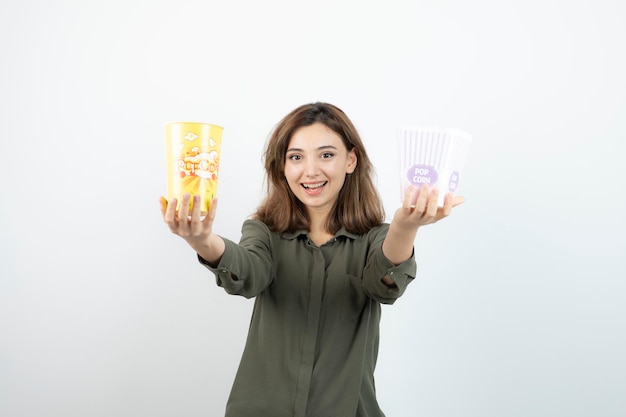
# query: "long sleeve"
[245,268]
[378,266]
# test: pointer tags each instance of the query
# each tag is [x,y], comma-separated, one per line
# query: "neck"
[317,230]
[317,221]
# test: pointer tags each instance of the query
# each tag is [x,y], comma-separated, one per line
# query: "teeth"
[310,186]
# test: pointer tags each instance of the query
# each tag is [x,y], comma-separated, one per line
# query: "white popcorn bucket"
[434,156]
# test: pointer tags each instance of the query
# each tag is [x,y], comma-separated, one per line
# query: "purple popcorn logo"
[454,181]
[422,174]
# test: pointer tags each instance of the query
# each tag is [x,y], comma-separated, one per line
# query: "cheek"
[292,177]
[288,172]
[338,171]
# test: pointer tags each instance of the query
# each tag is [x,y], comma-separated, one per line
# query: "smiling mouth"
[314,187]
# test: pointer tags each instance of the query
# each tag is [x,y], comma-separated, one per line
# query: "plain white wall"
[519,309]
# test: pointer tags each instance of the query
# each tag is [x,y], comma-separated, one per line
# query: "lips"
[314,187]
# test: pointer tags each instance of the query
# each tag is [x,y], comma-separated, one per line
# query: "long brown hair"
[358,207]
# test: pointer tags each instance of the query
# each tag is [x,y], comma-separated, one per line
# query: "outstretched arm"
[398,245]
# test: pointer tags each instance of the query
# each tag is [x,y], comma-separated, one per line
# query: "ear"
[352,161]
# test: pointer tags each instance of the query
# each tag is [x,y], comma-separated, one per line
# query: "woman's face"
[316,166]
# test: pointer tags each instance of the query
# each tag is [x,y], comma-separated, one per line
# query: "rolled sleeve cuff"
[402,275]
[224,273]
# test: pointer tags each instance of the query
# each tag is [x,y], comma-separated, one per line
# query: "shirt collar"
[340,232]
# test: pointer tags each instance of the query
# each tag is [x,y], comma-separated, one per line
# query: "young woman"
[319,260]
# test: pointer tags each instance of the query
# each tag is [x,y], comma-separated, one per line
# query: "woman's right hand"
[197,231]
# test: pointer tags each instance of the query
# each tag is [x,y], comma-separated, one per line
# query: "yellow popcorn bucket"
[193,159]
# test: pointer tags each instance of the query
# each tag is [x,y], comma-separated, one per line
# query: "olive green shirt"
[313,339]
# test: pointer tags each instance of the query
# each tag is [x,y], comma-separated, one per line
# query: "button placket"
[310,336]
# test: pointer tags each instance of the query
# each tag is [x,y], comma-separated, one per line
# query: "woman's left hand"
[425,210]
[398,244]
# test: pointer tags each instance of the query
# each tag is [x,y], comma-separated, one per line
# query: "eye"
[294,157]
[327,155]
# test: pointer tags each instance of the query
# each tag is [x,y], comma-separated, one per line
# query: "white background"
[520,304]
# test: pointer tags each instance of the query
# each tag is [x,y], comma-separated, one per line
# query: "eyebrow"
[319,149]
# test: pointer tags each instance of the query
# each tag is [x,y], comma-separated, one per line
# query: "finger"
[196,208]
[457,200]
[410,195]
[170,211]
[422,198]
[448,203]
[433,203]
[183,212]
[169,216]
[208,219]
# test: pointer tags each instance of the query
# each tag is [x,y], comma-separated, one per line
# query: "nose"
[311,168]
